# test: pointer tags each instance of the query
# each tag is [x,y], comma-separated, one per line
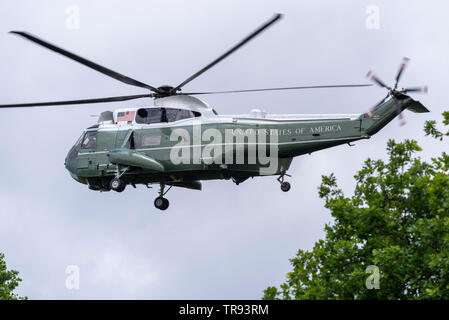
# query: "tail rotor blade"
[404,63]
[416,89]
[377,105]
[381,102]
[376,80]
[402,121]
[401,118]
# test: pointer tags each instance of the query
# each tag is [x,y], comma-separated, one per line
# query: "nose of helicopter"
[70,162]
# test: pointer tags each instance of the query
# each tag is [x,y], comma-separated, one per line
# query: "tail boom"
[379,117]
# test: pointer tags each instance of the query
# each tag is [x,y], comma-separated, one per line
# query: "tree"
[9,280]
[397,222]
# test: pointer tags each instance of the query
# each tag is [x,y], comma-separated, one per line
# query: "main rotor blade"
[275,89]
[404,63]
[84,101]
[230,51]
[90,64]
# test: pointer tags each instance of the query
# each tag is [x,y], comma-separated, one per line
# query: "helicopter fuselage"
[181,141]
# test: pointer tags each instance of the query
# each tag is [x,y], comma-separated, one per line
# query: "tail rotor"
[393,92]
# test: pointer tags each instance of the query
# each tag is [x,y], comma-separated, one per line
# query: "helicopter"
[181,140]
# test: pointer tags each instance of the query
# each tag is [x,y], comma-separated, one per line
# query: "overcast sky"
[226,241]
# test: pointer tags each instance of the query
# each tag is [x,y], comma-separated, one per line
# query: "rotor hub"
[165,91]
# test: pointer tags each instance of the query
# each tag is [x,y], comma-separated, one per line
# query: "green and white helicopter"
[181,140]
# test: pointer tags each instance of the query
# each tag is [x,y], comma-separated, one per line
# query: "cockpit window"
[158,115]
[78,142]
[89,140]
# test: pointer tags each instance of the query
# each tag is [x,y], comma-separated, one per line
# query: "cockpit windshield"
[158,115]
[74,150]
[89,140]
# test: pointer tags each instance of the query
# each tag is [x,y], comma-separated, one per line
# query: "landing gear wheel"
[117,184]
[285,186]
[161,203]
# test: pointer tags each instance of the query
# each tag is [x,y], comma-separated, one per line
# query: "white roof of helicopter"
[195,104]
[176,102]
[182,102]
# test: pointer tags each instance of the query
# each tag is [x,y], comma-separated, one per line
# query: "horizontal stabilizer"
[417,107]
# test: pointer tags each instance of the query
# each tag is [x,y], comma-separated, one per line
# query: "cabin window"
[178,114]
[158,115]
[151,140]
[154,116]
[149,115]
[89,140]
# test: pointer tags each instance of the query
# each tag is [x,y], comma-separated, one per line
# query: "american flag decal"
[369,114]
[126,116]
